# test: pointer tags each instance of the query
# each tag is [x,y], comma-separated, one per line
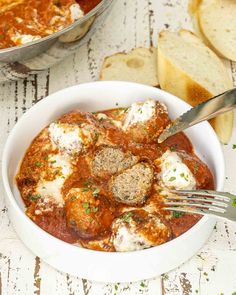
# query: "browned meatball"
[109,160]
[200,170]
[89,214]
[144,122]
[138,229]
[133,185]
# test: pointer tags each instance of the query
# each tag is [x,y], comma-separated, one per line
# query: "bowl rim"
[56,34]
[10,195]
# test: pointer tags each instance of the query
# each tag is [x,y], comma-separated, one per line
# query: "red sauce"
[98,210]
[37,18]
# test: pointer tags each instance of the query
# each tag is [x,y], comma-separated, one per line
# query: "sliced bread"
[190,70]
[217,22]
[138,65]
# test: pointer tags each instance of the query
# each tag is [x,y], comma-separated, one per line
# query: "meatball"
[88,213]
[145,121]
[72,139]
[137,230]
[133,185]
[109,160]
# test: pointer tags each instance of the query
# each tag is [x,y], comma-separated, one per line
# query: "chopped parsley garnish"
[127,216]
[174,169]
[96,192]
[177,214]
[38,164]
[184,176]
[53,162]
[96,136]
[234,146]
[73,198]
[88,208]
[34,198]
[85,189]
[46,158]
[173,148]
[142,285]
[196,168]
[172,178]
[234,201]
[86,205]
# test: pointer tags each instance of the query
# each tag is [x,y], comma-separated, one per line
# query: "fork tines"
[198,201]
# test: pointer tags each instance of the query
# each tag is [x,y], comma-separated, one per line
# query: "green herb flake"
[234,201]
[96,136]
[46,158]
[142,285]
[234,146]
[86,205]
[73,198]
[38,164]
[177,214]
[85,189]
[88,211]
[195,168]
[173,148]
[127,216]
[34,198]
[172,178]
[116,287]
[205,274]
[53,162]
[174,169]
[95,209]
[96,192]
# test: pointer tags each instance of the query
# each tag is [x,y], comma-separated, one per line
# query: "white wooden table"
[212,271]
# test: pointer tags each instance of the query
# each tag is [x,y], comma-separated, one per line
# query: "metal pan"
[30,58]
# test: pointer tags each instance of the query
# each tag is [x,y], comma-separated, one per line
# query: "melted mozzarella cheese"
[139,113]
[174,173]
[75,12]
[21,39]
[50,191]
[102,116]
[127,240]
[66,137]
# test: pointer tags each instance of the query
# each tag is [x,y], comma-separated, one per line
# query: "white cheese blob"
[174,173]
[139,113]
[127,239]
[66,137]
[104,117]
[21,39]
[76,12]
[50,191]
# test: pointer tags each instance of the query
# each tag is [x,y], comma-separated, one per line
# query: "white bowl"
[89,264]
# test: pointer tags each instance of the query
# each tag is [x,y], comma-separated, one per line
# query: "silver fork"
[205,202]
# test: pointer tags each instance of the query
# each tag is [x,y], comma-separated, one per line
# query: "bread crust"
[174,80]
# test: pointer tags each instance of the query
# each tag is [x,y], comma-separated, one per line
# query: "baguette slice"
[216,20]
[190,70]
[138,65]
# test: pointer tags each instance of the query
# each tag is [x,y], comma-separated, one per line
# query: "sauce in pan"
[99,179]
[24,21]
